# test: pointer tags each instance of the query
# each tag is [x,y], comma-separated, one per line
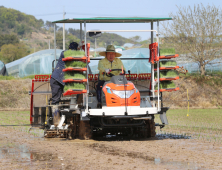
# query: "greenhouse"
[135,66]
[2,69]
[213,66]
[36,63]
[41,63]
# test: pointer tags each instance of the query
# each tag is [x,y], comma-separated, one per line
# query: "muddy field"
[174,148]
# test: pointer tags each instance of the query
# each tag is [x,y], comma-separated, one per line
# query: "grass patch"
[78,86]
[16,120]
[75,64]
[73,53]
[214,80]
[201,123]
[7,77]
[74,75]
[14,117]
[18,78]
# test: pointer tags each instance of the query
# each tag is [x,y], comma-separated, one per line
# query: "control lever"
[129,74]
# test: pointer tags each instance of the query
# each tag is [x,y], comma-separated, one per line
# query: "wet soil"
[23,150]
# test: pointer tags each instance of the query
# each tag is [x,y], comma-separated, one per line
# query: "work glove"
[107,71]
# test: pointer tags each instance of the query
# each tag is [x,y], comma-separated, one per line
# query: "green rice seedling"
[167,73]
[166,63]
[75,64]
[73,53]
[167,51]
[77,86]
[166,85]
[74,75]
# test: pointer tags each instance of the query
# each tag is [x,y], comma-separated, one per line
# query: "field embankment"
[204,92]
[14,94]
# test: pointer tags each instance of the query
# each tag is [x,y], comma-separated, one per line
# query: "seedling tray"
[74,91]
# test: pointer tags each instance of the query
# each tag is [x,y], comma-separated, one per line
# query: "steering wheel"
[111,75]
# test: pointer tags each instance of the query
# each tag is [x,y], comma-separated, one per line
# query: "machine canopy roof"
[112,20]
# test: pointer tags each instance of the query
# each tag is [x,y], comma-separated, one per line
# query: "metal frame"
[153,82]
[85,96]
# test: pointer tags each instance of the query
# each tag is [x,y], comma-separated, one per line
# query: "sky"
[52,10]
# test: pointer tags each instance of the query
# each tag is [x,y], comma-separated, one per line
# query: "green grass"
[7,77]
[75,64]
[165,74]
[18,78]
[18,121]
[212,80]
[201,123]
[74,75]
[73,53]
[79,86]
[14,117]
[166,85]
[167,51]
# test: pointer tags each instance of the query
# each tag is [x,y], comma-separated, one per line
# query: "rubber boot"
[55,115]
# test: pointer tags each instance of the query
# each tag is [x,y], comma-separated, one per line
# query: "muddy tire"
[151,128]
[85,130]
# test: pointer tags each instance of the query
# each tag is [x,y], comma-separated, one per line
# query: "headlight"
[121,94]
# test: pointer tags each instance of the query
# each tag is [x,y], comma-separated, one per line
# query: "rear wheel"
[85,131]
[150,124]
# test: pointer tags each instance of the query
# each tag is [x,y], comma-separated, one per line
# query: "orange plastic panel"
[168,78]
[167,68]
[74,69]
[169,56]
[75,58]
[169,90]
[153,52]
[75,80]
[113,100]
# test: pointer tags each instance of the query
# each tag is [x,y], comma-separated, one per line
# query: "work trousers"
[99,89]
[57,90]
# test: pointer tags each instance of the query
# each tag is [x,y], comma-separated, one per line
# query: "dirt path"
[21,150]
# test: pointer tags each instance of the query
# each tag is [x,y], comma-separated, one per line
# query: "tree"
[134,40]
[196,32]
[12,52]
[8,39]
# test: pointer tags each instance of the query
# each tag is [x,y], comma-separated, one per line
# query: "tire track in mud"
[114,151]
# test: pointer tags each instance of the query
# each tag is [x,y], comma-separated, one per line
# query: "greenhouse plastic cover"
[41,62]
[1,65]
[135,66]
[36,63]
[214,65]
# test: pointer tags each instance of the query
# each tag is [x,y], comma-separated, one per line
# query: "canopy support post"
[87,83]
[55,41]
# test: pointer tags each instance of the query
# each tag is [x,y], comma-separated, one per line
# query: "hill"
[25,34]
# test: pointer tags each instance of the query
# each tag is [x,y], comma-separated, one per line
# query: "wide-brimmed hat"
[110,48]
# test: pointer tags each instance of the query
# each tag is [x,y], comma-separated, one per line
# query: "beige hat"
[110,48]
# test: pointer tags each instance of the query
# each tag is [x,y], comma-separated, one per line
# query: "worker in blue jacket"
[57,84]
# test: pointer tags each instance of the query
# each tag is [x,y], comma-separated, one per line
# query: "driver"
[105,65]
